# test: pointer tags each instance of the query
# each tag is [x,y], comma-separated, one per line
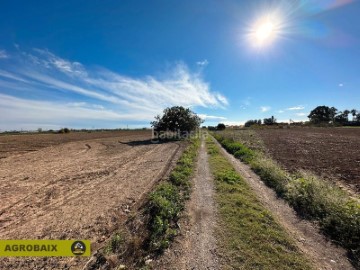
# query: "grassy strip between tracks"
[316,199]
[248,235]
[168,200]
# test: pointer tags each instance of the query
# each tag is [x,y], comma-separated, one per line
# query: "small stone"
[147,262]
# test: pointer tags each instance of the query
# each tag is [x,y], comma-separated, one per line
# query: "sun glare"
[264,31]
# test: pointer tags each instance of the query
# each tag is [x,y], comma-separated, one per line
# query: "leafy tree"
[249,123]
[353,113]
[322,114]
[270,121]
[176,119]
[333,112]
[342,117]
[220,126]
[358,117]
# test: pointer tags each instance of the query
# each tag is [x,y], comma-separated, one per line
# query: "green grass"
[168,200]
[116,243]
[337,213]
[248,236]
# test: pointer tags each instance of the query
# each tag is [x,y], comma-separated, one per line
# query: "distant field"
[23,143]
[333,153]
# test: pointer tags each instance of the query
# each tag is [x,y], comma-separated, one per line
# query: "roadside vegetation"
[167,201]
[249,237]
[337,213]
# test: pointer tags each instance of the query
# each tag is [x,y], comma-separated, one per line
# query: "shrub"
[64,130]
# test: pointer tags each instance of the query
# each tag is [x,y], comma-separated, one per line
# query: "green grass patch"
[337,213]
[116,243]
[249,237]
[168,200]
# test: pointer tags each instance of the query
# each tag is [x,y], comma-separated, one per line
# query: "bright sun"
[264,31]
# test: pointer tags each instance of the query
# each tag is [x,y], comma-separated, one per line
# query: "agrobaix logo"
[78,248]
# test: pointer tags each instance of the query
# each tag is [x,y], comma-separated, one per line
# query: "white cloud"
[234,123]
[300,114]
[300,107]
[22,112]
[211,117]
[280,111]
[100,107]
[265,108]
[133,99]
[203,63]
[3,54]
[341,84]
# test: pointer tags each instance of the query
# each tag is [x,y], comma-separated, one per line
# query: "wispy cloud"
[300,114]
[296,108]
[280,111]
[265,108]
[94,94]
[3,54]
[211,117]
[203,63]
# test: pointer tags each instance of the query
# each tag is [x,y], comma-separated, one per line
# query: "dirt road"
[196,247]
[200,244]
[76,190]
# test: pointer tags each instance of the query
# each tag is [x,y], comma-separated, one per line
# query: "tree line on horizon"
[321,115]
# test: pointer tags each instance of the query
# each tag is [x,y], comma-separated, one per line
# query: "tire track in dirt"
[95,174]
[195,249]
[324,254]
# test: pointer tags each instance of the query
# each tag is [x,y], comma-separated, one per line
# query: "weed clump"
[115,244]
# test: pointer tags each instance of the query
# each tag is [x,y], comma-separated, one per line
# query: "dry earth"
[76,190]
[332,153]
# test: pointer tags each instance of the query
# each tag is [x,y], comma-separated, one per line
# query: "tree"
[322,114]
[220,126]
[340,118]
[353,113]
[177,119]
[270,121]
[358,117]
[249,123]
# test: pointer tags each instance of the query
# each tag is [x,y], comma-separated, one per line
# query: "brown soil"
[333,153]
[75,190]
[195,248]
[317,248]
[24,143]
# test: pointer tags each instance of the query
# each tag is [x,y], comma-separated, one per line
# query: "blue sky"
[108,64]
